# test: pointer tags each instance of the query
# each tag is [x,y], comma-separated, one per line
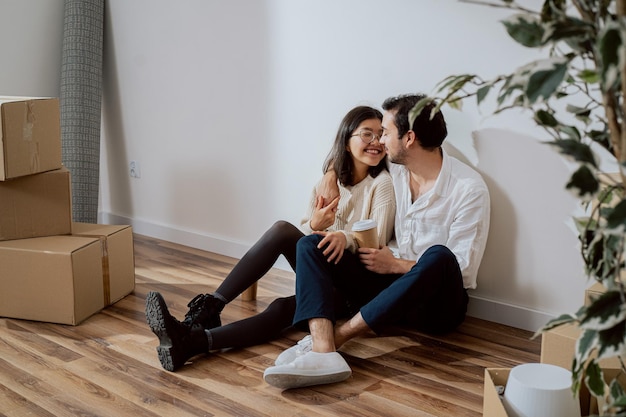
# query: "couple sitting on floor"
[381,167]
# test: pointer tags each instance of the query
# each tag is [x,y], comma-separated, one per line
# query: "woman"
[366,192]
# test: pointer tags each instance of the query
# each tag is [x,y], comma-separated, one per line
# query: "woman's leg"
[280,239]
[254,330]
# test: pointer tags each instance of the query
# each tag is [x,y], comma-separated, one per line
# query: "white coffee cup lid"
[364,225]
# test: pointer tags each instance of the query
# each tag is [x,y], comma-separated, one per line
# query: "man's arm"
[328,188]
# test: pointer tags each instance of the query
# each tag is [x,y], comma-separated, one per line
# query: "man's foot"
[204,310]
[177,342]
[302,347]
[312,368]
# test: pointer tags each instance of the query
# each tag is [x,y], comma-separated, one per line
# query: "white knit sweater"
[372,198]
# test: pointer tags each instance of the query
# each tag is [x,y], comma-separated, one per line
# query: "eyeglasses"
[367,136]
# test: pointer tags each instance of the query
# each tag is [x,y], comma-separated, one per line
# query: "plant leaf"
[609,45]
[545,118]
[617,217]
[587,342]
[605,312]
[570,131]
[574,149]
[556,322]
[612,341]
[547,77]
[525,29]
[583,183]
[482,93]
[589,76]
[594,379]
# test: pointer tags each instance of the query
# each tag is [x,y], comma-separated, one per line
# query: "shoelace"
[305,345]
[195,308]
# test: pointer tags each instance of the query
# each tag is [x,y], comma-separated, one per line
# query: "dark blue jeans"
[430,297]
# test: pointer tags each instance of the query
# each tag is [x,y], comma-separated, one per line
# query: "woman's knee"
[283,306]
[280,231]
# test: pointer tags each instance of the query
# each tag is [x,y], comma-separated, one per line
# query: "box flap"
[492,404]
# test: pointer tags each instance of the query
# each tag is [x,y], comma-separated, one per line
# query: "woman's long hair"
[339,158]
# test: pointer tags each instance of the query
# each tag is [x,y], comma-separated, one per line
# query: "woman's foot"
[204,310]
[178,342]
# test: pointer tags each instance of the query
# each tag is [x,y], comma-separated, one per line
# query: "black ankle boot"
[204,310]
[177,342]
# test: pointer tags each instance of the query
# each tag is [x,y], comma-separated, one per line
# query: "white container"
[540,389]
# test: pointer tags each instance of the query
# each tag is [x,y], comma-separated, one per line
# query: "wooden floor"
[107,366]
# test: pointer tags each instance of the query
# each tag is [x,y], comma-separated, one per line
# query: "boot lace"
[196,307]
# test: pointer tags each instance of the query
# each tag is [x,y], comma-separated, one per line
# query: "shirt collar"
[443,179]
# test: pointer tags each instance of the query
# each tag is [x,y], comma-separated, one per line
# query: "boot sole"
[288,381]
[155,316]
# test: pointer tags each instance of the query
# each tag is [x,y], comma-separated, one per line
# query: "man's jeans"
[430,297]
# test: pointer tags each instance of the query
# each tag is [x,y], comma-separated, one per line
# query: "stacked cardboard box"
[558,347]
[52,270]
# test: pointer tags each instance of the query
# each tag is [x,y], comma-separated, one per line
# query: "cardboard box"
[36,205]
[30,136]
[558,347]
[55,279]
[493,406]
[118,261]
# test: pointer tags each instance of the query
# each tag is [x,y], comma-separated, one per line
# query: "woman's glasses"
[367,136]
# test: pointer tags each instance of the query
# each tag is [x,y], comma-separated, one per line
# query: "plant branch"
[512,6]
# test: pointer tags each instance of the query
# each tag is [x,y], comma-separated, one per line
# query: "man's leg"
[315,306]
[352,328]
[322,335]
[430,297]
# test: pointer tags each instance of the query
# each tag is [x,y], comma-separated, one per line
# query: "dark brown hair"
[339,158]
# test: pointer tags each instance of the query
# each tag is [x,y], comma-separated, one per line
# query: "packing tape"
[106,277]
[27,129]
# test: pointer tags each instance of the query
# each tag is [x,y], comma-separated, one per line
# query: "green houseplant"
[576,94]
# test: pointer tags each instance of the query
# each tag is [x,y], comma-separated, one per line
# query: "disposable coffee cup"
[365,233]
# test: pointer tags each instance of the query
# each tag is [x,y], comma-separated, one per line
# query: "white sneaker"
[312,368]
[303,346]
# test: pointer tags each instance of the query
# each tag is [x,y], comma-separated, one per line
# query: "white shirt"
[454,213]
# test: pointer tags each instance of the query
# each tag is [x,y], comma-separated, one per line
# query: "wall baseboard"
[482,308]
[508,314]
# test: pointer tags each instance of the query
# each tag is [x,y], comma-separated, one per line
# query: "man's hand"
[328,188]
[323,216]
[335,243]
[382,261]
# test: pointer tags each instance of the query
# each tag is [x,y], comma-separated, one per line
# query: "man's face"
[393,145]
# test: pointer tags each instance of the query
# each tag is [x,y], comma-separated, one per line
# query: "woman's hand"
[334,243]
[323,217]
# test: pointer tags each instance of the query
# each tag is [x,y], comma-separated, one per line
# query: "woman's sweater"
[372,198]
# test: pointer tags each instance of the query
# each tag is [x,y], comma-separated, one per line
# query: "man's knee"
[308,243]
[439,251]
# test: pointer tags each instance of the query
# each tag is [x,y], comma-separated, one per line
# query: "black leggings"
[280,239]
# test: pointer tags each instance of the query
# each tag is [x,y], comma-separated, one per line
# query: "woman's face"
[366,154]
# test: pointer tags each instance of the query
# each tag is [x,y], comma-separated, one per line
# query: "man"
[441,227]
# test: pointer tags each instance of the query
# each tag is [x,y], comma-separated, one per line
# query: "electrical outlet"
[135,170]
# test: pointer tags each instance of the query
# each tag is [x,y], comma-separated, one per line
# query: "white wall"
[30,46]
[230,107]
